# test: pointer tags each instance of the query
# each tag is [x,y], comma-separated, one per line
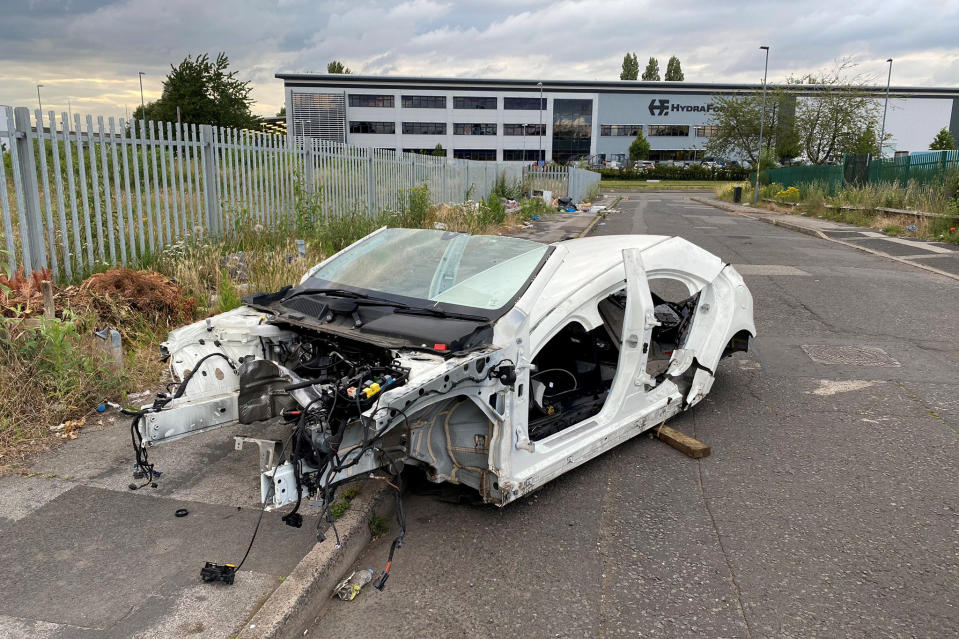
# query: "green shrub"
[227,297]
[415,210]
[379,526]
[492,211]
[504,187]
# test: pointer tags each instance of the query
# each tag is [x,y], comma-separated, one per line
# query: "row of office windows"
[439,128]
[656,130]
[439,102]
[489,155]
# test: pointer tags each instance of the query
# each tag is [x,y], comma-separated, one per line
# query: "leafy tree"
[867,142]
[630,67]
[439,151]
[787,143]
[651,74]
[282,112]
[674,72]
[207,92]
[830,121]
[639,148]
[736,120]
[822,126]
[943,141]
[335,66]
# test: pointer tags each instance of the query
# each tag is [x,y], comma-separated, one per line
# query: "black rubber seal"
[182,512]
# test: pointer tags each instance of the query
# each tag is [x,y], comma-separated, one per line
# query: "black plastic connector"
[505,373]
[218,572]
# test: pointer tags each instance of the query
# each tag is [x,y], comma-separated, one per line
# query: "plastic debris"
[911,227]
[535,217]
[351,586]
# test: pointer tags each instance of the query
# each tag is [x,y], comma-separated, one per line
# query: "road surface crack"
[719,540]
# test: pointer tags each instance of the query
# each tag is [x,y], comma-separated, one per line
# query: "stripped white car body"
[475,430]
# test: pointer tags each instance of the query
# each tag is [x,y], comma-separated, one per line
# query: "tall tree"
[822,126]
[674,72]
[651,74]
[830,121]
[335,66]
[282,112]
[206,92]
[735,123]
[639,148]
[630,67]
[943,141]
[867,141]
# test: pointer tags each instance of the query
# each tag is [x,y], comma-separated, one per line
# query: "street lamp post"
[762,121]
[882,135]
[143,107]
[540,131]
[39,103]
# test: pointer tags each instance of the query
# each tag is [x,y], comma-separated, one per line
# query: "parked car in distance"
[644,165]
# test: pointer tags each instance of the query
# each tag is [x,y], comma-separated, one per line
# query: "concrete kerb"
[303,594]
[592,223]
[732,208]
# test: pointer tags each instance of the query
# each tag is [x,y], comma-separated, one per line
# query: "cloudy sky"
[89,51]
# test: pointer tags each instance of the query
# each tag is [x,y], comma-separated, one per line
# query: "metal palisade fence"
[925,167]
[78,192]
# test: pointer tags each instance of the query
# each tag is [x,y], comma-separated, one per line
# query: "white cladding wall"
[911,121]
[451,116]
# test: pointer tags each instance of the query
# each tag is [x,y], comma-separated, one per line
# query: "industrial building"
[558,120]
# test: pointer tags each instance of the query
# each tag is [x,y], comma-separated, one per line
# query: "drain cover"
[849,355]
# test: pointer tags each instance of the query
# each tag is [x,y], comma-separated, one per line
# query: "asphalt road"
[828,508]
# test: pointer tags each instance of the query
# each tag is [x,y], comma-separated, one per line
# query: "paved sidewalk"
[938,257]
[81,555]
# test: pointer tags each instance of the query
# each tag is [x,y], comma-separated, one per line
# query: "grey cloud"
[56,40]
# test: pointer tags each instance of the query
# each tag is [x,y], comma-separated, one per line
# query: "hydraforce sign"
[658,106]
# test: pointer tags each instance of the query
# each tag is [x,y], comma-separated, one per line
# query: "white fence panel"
[116,191]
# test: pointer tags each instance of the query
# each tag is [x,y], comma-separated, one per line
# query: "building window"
[572,129]
[361,100]
[473,102]
[620,130]
[705,131]
[475,154]
[462,128]
[521,155]
[524,104]
[372,127]
[320,115]
[517,129]
[424,128]
[424,101]
[668,130]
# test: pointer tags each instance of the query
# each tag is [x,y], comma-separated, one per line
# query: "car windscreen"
[437,267]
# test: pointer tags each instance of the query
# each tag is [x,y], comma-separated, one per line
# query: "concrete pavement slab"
[88,554]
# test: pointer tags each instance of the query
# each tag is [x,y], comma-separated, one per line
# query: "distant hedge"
[694,172]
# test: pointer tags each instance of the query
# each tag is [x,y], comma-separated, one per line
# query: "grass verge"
[65,373]
[860,206]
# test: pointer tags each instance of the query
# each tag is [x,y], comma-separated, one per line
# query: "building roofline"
[617,86]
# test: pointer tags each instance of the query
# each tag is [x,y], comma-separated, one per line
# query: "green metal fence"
[924,168]
[826,174]
[928,167]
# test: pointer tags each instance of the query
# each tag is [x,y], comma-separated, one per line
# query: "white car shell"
[476,431]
